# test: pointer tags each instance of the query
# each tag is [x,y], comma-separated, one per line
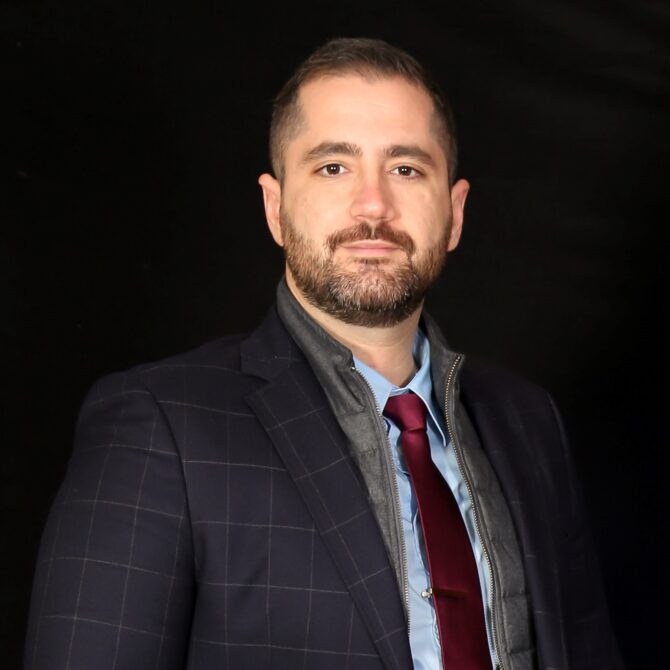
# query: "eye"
[406,171]
[331,170]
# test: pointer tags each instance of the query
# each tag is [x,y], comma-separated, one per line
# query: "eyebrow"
[326,149]
[330,149]
[409,151]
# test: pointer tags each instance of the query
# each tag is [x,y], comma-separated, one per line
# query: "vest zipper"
[390,470]
[475,509]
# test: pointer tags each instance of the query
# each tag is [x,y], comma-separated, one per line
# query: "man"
[338,489]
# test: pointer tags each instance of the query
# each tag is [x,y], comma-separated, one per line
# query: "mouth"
[363,240]
[371,247]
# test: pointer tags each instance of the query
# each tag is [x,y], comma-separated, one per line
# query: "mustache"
[364,231]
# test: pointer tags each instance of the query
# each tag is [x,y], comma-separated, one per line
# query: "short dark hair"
[367,58]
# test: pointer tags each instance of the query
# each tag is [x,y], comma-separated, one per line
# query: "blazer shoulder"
[479,377]
[493,393]
[223,353]
[215,362]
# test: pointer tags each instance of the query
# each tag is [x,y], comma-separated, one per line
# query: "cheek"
[427,220]
[320,214]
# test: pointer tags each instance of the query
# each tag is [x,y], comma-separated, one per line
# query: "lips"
[364,237]
[371,246]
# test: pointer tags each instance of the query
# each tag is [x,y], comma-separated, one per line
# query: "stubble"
[375,292]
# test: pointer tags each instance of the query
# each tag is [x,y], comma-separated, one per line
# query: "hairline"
[293,120]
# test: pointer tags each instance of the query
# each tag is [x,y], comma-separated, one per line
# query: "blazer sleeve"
[114,582]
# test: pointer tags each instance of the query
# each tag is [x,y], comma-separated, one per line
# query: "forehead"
[385,110]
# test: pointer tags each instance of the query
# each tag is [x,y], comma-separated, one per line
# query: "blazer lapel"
[515,446]
[296,415]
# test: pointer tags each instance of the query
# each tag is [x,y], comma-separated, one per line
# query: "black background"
[133,227]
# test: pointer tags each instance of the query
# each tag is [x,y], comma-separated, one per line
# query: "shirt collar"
[421,383]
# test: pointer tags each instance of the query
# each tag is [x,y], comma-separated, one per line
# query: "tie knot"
[407,411]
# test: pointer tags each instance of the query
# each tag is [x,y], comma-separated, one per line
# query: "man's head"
[368,58]
[363,206]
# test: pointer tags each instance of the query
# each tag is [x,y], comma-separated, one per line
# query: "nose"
[373,199]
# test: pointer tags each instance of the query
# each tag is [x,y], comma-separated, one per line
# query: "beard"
[376,292]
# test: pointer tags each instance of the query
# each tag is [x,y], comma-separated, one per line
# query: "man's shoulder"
[478,379]
[213,362]
[477,372]
[233,365]
[486,384]
[222,353]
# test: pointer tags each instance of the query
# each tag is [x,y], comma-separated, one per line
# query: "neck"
[388,350]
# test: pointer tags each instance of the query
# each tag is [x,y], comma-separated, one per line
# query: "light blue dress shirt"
[423,633]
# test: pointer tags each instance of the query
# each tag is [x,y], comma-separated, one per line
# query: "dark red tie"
[453,571]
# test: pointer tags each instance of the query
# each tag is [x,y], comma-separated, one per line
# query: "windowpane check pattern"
[209,519]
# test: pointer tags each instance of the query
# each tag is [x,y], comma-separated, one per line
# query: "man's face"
[364,213]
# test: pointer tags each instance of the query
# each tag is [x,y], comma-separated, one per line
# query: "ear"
[272,202]
[459,192]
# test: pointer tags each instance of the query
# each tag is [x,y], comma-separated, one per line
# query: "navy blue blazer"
[212,517]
